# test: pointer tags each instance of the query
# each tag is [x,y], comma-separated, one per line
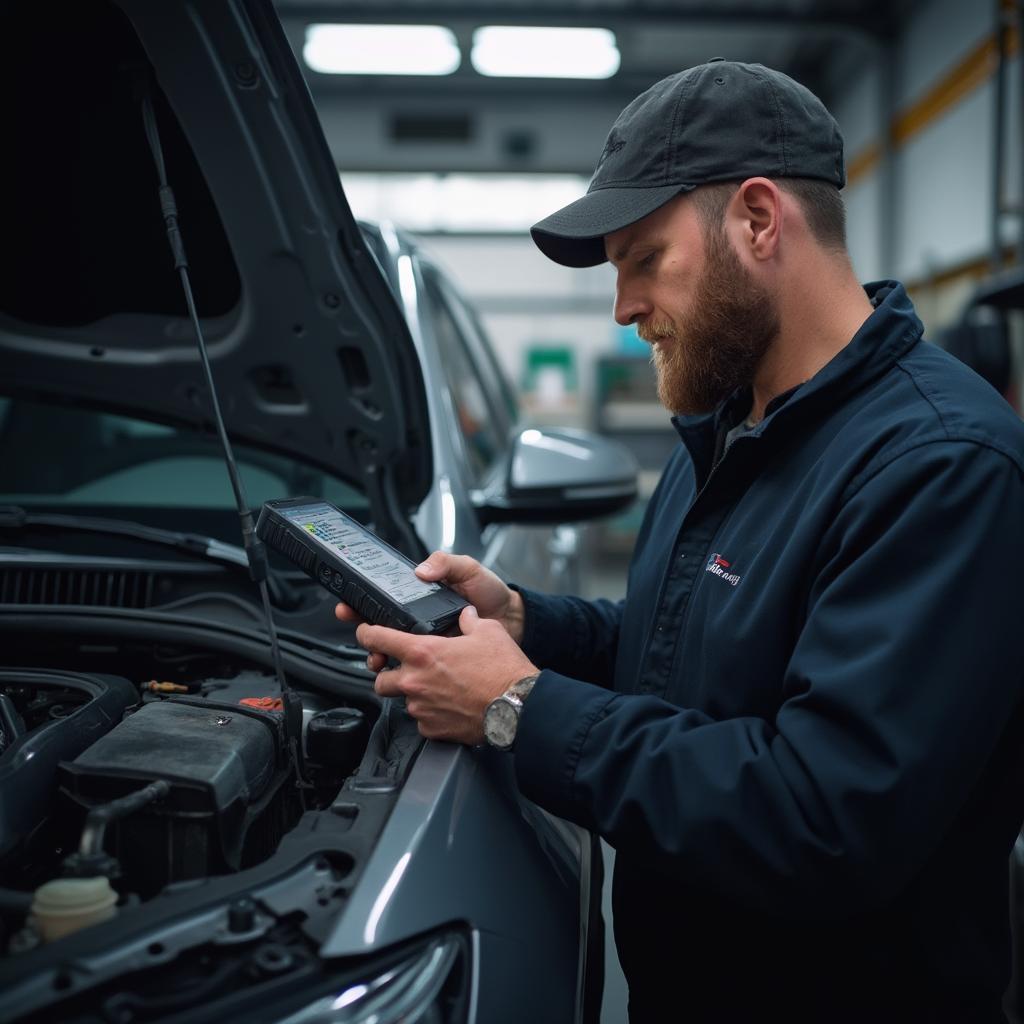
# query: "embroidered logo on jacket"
[718,566]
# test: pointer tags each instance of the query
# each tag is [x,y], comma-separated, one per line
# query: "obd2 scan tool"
[358,567]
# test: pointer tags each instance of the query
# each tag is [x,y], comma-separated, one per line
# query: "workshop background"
[465,137]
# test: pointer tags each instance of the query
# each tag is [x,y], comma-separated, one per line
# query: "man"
[802,730]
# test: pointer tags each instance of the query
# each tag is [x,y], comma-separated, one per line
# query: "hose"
[99,817]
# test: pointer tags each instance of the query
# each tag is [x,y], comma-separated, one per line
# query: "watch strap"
[522,687]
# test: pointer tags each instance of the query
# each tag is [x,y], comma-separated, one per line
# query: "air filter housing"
[226,808]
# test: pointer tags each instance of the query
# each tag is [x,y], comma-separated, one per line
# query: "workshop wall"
[529,302]
[500,132]
[919,122]
[918,115]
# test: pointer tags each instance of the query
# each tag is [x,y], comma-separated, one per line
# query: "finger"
[382,640]
[433,567]
[387,683]
[346,613]
[469,619]
[444,566]
[376,662]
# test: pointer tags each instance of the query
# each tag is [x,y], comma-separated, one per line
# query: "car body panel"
[462,845]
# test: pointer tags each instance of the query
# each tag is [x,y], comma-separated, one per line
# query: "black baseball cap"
[720,121]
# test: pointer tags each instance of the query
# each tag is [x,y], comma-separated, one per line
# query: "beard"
[717,345]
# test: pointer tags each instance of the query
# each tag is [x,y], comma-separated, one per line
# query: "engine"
[141,789]
[230,794]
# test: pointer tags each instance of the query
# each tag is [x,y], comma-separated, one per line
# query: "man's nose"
[630,305]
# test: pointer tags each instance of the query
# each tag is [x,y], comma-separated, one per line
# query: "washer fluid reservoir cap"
[65,905]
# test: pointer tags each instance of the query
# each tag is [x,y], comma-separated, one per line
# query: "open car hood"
[309,350]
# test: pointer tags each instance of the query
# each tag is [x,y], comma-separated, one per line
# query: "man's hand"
[448,682]
[477,584]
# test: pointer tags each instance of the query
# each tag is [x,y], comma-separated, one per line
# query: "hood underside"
[309,350]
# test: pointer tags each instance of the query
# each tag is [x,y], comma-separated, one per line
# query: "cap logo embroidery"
[613,145]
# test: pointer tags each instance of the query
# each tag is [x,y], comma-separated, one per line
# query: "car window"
[493,377]
[481,421]
[58,455]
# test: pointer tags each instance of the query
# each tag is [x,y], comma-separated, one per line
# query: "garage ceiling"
[815,41]
[655,37]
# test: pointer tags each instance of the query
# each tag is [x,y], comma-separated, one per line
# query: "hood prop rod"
[254,548]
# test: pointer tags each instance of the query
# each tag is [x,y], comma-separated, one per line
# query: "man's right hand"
[476,583]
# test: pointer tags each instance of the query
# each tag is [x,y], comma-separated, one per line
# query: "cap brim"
[574,235]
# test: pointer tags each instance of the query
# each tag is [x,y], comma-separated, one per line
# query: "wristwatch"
[501,719]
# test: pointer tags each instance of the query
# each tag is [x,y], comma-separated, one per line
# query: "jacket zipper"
[664,577]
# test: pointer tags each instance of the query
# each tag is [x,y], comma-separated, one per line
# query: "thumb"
[433,567]
[469,620]
[452,569]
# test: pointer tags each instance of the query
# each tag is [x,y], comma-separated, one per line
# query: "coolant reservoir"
[65,905]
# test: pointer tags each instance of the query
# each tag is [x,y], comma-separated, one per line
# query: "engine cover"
[226,809]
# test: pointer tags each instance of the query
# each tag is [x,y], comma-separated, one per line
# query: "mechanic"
[802,730]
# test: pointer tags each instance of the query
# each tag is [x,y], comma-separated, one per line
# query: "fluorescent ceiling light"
[381,49]
[461,202]
[515,51]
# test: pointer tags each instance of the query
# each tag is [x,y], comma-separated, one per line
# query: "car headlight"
[428,985]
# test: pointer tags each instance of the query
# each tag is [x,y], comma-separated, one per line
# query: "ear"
[756,211]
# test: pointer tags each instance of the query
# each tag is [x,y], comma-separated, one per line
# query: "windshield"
[71,458]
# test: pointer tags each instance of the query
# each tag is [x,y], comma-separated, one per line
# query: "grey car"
[165,853]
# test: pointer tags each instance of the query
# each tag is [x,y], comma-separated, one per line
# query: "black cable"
[254,549]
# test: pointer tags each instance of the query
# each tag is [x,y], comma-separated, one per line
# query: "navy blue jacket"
[802,730]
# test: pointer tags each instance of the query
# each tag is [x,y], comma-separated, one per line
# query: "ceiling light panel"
[460,202]
[519,51]
[381,49]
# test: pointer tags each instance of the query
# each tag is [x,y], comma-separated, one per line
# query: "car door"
[483,426]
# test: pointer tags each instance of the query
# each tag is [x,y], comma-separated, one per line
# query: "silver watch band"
[522,687]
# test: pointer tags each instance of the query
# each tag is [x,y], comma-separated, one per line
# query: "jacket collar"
[884,338]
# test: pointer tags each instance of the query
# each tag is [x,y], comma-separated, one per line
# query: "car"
[174,844]
[477,438]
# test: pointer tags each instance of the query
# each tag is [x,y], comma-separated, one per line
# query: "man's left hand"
[448,682]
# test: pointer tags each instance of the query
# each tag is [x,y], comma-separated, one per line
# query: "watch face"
[500,723]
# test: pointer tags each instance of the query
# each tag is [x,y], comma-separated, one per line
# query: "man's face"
[708,320]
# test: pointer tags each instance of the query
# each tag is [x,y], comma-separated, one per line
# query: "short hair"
[820,201]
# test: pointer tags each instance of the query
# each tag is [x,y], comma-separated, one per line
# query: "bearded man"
[802,730]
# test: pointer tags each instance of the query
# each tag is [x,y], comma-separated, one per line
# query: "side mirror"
[559,475]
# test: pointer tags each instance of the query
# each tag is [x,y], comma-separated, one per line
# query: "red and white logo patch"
[719,566]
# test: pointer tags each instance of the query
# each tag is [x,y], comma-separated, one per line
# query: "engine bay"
[116,789]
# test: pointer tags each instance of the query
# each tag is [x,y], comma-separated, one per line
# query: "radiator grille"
[102,587]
